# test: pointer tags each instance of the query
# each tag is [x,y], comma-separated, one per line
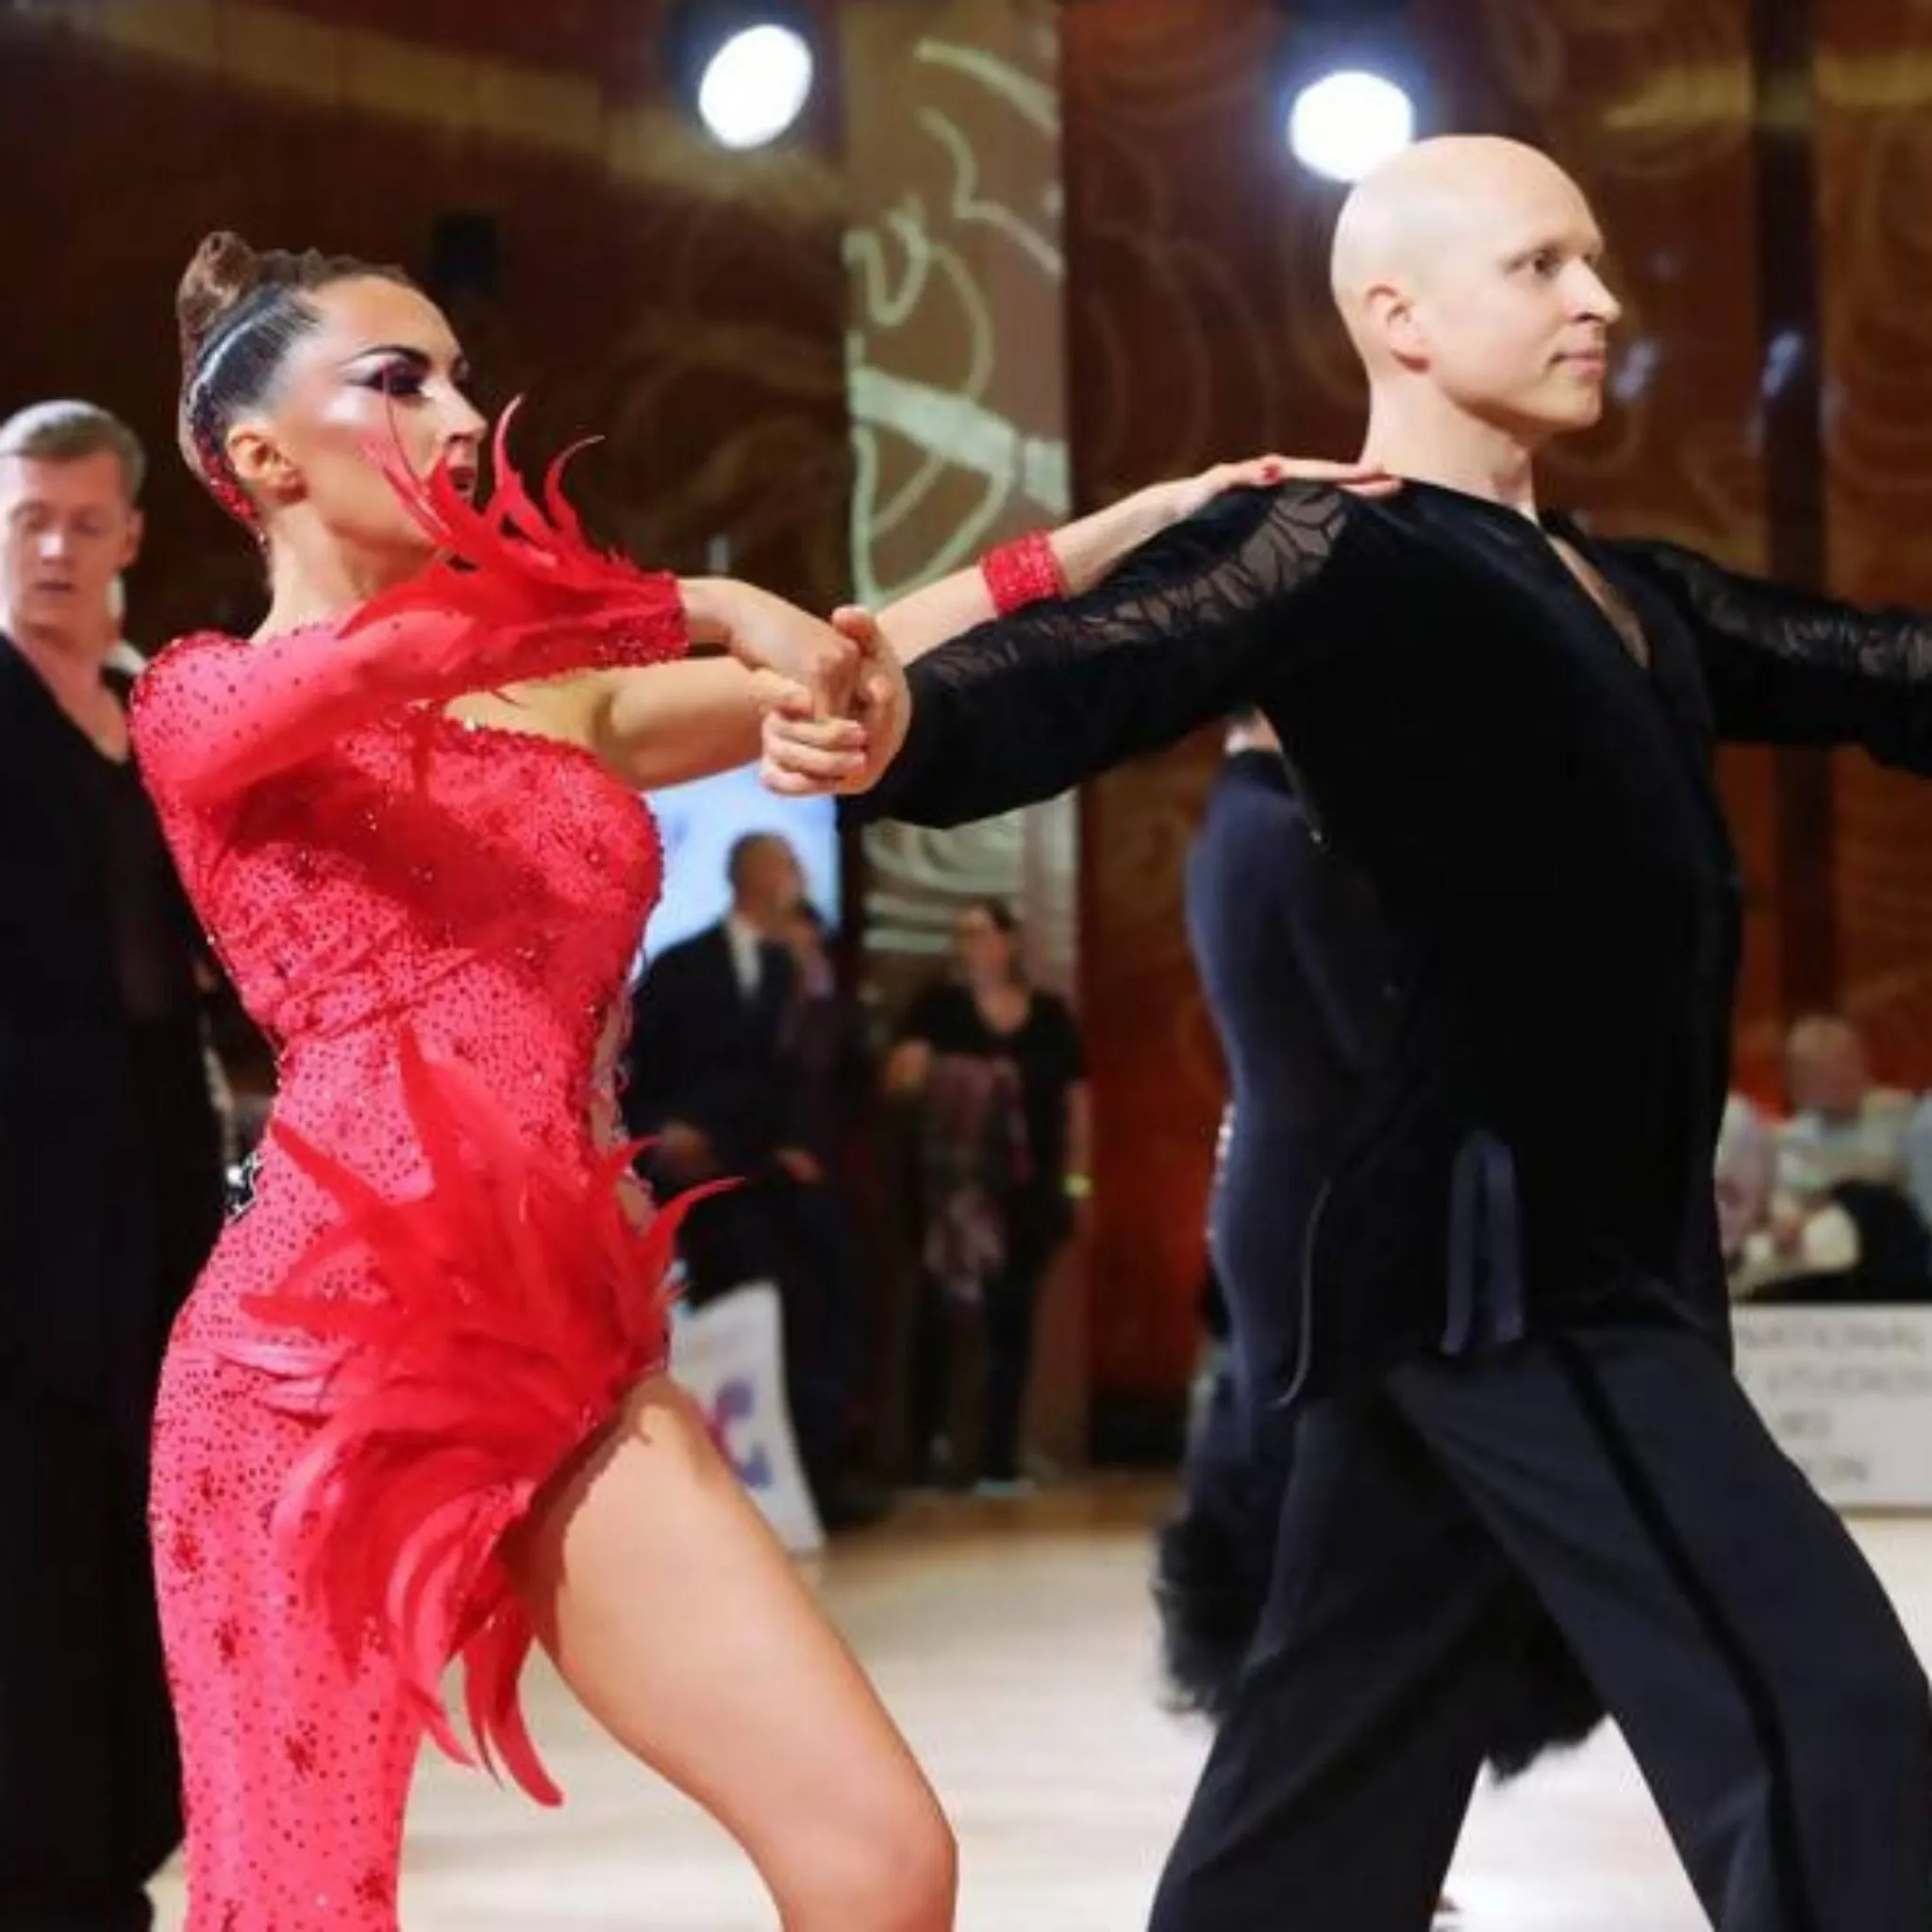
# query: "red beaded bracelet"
[1023,572]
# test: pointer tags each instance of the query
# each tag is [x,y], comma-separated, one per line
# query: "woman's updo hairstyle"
[240,313]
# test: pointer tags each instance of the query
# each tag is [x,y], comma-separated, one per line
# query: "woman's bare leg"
[679,1622]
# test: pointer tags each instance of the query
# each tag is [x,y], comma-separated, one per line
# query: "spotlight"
[1347,124]
[745,70]
[1348,81]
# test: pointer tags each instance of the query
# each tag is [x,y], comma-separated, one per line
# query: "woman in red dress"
[416,1409]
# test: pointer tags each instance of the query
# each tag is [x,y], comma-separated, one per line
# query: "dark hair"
[69,432]
[998,911]
[1006,924]
[744,845]
[240,313]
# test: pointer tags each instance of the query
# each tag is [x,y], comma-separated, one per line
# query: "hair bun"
[224,272]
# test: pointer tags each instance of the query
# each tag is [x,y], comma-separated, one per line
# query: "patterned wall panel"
[688,303]
[957,373]
[1875,163]
[956,362]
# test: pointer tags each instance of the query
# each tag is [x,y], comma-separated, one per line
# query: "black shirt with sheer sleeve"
[1534,803]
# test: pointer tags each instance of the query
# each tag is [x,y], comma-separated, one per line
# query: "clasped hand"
[836,712]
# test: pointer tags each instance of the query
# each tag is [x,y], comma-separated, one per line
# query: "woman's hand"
[1176,501]
[765,633]
[806,754]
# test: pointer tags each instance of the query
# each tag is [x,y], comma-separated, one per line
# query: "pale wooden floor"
[1013,1642]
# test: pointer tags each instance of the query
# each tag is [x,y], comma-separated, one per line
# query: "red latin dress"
[443,1281]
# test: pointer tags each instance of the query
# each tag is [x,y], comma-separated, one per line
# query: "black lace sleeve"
[1189,625]
[1790,667]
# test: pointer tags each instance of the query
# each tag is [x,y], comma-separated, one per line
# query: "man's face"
[1828,1073]
[67,529]
[770,878]
[1511,314]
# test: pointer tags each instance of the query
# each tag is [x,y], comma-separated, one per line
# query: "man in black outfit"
[1516,1408]
[705,1072]
[110,1195]
[712,1080]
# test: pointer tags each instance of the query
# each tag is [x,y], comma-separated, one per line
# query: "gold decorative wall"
[685,302]
[957,379]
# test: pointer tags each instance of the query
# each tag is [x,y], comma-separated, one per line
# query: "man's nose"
[1594,298]
[53,543]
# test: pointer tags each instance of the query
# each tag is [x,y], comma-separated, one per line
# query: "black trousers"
[1617,1479]
[89,1783]
[772,1228]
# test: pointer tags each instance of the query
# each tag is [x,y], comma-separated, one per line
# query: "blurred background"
[904,278]
[1013,259]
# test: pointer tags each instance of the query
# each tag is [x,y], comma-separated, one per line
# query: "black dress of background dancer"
[1293,964]
[111,1197]
[1516,1395]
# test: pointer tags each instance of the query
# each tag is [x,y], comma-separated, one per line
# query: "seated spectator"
[1844,1127]
[1919,1158]
[1843,1227]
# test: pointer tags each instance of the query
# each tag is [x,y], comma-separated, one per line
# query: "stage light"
[1351,86]
[1346,124]
[746,71]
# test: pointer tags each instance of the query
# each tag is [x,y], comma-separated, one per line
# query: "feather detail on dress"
[521,1301]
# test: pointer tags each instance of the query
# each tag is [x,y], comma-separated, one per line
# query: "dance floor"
[1013,1642]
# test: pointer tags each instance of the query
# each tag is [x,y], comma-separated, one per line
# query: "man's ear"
[1391,309]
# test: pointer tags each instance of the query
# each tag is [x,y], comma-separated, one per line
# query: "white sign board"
[729,1354]
[1847,1393]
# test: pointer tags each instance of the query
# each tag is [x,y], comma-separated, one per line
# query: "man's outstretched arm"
[1791,667]
[1203,618]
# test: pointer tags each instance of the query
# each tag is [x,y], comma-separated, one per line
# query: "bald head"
[1466,272]
[1434,204]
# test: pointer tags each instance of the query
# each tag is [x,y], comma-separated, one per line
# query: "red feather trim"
[515,568]
[518,1303]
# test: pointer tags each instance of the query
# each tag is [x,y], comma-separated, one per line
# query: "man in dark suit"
[109,1194]
[707,1077]
[714,1083]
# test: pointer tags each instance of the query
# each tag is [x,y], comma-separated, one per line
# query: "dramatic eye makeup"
[399,371]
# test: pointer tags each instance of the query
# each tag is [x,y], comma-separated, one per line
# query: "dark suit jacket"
[110,1154]
[702,1053]
[1537,812]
